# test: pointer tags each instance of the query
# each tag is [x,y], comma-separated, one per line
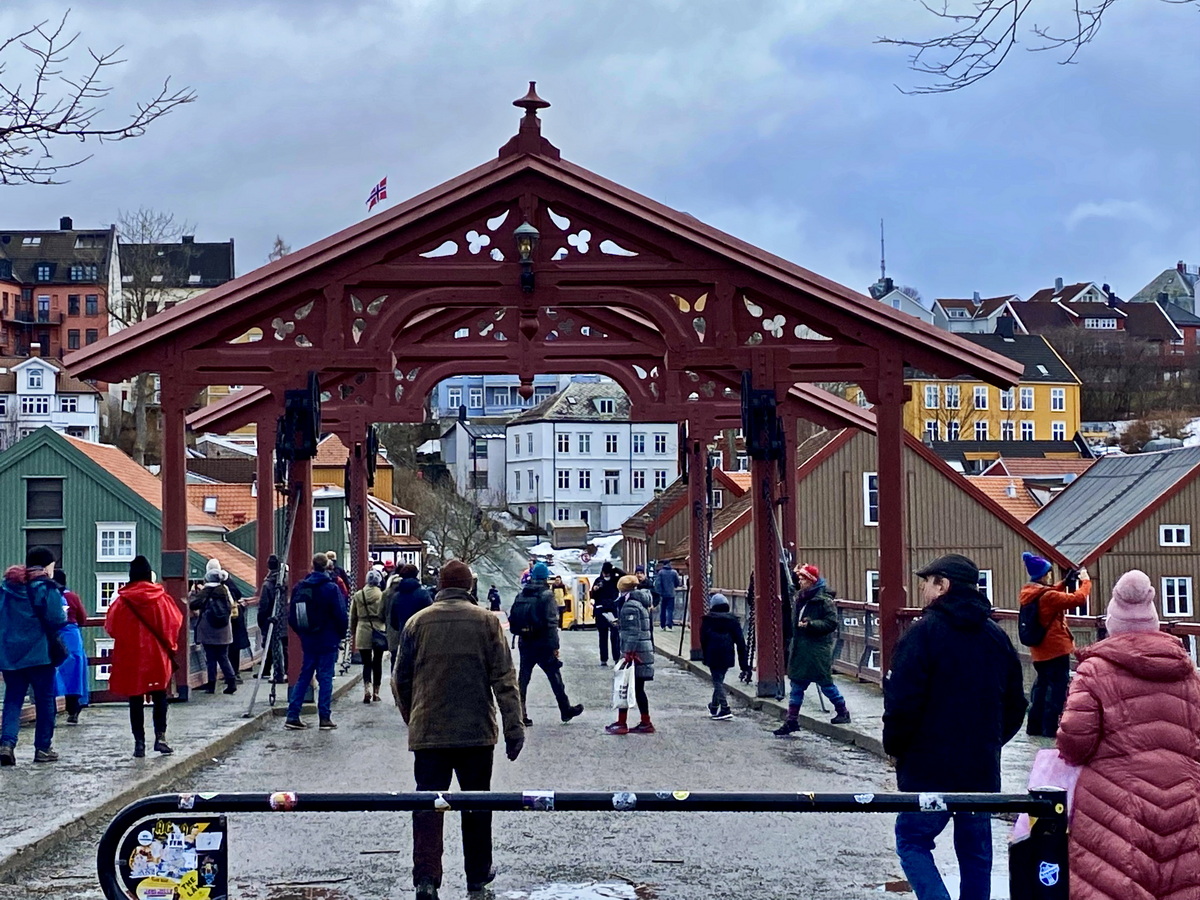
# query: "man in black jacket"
[268,595]
[540,645]
[720,634]
[604,607]
[952,698]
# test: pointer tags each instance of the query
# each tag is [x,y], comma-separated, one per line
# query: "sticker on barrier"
[623,801]
[542,801]
[932,802]
[176,857]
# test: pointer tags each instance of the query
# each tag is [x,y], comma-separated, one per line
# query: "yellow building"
[1044,407]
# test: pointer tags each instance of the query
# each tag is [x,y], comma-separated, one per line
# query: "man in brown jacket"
[452,659]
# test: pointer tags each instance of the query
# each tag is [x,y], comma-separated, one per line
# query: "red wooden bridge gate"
[530,264]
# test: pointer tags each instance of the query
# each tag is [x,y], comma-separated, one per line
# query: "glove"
[745,676]
[631,658]
[512,747]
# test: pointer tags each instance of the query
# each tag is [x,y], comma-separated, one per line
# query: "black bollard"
[1037,866]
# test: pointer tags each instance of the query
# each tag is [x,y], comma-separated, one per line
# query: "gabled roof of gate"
[537,160]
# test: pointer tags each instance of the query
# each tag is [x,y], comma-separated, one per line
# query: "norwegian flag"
[378,193]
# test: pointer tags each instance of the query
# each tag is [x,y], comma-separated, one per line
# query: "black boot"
[842,717]
[160,743]
[139,748]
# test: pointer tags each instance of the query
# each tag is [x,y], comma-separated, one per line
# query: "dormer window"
[43,271]
[34,379]
[606,405]
[31,241]
[399,525]
[956,313]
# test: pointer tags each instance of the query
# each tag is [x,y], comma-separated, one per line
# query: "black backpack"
[302,614]
[527,616]
[1030,630]
[218,607]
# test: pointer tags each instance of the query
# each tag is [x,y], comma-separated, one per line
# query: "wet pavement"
[550,856]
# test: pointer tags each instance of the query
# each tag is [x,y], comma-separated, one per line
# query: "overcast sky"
[778,121]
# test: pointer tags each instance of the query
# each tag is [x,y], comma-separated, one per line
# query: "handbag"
[1049,770]
[379,640]
[622,685]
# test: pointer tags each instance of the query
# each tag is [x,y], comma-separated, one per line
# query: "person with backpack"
[720,634]
[317,613]
[71,679]
[369,626]
[143,621]
[1042,626]
[811,658]
[405,597]
[534,620]
[637,648]
[31,615]
[213,606]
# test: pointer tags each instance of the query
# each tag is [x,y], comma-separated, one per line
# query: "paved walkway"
[865,702]
[43,805]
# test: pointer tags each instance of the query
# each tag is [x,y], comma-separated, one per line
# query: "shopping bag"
[1049,770]
[622,685]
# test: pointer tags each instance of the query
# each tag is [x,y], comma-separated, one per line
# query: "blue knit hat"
[540,572]
[1036,566]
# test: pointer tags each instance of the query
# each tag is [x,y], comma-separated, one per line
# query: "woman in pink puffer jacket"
[1133,723]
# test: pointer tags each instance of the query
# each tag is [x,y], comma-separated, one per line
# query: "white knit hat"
[213,565]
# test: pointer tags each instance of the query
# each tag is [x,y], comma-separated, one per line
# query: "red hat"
[388,564]
[809,571]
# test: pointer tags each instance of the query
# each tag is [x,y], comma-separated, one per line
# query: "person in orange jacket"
[1052,657]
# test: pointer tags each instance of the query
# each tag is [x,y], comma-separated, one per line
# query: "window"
[115,541]
[475,398]
[870,498]
[585,443]
[639,443]
[953,430]
[454,398]
[717,498]
[985,583]
[502,397]
[1026,399]
[401,525]
[479,448]
[34,379]
[981,431]
[952,396]
[872,586]
[1007,431]
[660,443]
[72,304]
[3,406]
[210,504]
[529,442]
[478,481]
[1006,399]
[31,241]
[73,339]
[932,431]
[91,304]
[1177,596]
[612,482]
[517,481]
[92,336]
[107,585]
[44,499]
[562,514]
[743,462]
[931,396]
[564,479]
[104,649]
[957,313]
[1174,535]
[1058,431]
[541,394]
[564,443]
[43,307]
[981,398]
[585,479]
[606,406]
[35,405]
[320,518]
[43,271]
[1100,324]
[610,443]
[1027,431]
[660,479]
[1058,399]
[639,479]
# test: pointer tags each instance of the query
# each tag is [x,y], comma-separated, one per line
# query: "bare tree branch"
[52,105]
[982,33]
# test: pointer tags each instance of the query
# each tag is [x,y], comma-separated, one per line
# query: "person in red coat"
[144,622]
[1133,723]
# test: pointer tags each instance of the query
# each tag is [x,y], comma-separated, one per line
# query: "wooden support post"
[264,501]
[697,530]
[789,507]
[890,396]
[356,507]
[768,611]
[300,558]
[173,563]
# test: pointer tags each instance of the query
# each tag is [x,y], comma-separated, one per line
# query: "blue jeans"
[666,613]
[322,664]
[915,835]
[796,696]
[16,685]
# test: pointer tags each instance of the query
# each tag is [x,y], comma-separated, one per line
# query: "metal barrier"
[1037,867]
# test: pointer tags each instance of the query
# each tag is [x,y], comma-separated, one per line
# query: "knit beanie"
[540,572]
[39,556]
[272,563]
[374,577]
[1036,566]
[139,569]
[1132,605]
[455,574]
[627,583]
[718,601]
[211,567]
[811,572]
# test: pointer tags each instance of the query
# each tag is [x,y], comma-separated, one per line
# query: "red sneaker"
[616,728]
[642,728]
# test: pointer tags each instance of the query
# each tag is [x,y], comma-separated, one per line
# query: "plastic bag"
[622,685]
[1049,770]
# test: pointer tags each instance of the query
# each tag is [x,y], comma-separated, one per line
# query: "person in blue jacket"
[318,614]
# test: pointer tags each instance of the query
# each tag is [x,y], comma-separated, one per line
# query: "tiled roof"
[1150,322]
[1067,293]
[1033,351]
[390,508]
[674,492]
[182,265]
[66,382]
[61,249]
[1038,317]
[1180,316]
[1032,467]
[986,307]
[136,478]
[234,561]
[236,504]
[578,403]
[1113,493]
[741,479]
[227,471]
[331,452]
[1095,310]
[957,451]
[1020,505]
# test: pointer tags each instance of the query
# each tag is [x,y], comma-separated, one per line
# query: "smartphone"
[1071,581]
